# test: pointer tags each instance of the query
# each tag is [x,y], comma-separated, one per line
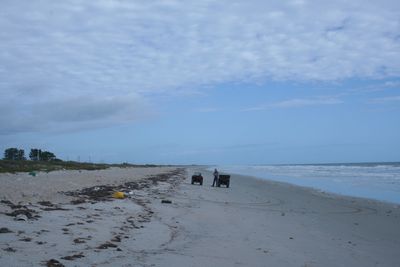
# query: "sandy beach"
[68,219]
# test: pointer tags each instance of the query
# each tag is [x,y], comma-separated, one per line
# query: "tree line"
[35,154]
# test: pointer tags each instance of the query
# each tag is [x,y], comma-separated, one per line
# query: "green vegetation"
[13,166]
[14,153]
[28,166]
[15,161]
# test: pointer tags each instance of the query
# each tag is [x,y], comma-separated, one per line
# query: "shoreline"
[330,185]
[166,221]
[323,193]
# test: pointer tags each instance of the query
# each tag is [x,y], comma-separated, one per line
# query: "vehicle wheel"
[201,183]
[192,182]
[227,185]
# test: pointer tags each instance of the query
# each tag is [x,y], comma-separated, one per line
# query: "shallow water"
[380,181]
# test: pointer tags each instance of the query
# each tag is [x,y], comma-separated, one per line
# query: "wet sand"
[252,223]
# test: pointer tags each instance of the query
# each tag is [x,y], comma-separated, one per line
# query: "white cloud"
[299,102]
[71,114]
[382,100]
[53,50]
[392,84]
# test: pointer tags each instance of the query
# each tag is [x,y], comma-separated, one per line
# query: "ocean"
[380,181]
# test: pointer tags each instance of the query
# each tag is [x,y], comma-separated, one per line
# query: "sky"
[202,82]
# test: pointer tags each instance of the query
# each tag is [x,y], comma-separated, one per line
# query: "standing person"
[215,182]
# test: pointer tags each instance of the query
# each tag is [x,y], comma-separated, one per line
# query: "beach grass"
[13,166]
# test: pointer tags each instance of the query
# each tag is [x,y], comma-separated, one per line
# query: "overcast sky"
[207,82]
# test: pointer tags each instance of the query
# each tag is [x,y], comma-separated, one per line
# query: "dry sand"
[252,223]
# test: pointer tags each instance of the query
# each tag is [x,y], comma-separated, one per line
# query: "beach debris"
[22,211]
[263,250]
[54,263]
[79,240]
[116,239]
[7,202]
[166,201]
[107,245]
[73,257]
[50,206]
[98,193]
[32,174]
[118,195]
[5,230]
[290,237]
[105,192]
[78,201]
[53,208]
[12,205]
[46,203]
[9,249]
[21,217]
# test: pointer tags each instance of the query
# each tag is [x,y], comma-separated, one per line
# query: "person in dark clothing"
[215,182]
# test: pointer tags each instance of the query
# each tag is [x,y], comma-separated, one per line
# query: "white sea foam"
[376,181]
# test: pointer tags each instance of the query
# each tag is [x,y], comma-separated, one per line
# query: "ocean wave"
[379,181]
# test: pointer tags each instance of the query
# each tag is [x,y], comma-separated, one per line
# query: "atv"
[197,178]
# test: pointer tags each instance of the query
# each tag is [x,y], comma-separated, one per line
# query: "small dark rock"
[165,201]
[26,239]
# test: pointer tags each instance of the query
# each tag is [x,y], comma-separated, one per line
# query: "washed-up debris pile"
[105,192]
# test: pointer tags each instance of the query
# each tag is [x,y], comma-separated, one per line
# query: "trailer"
[223,179]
